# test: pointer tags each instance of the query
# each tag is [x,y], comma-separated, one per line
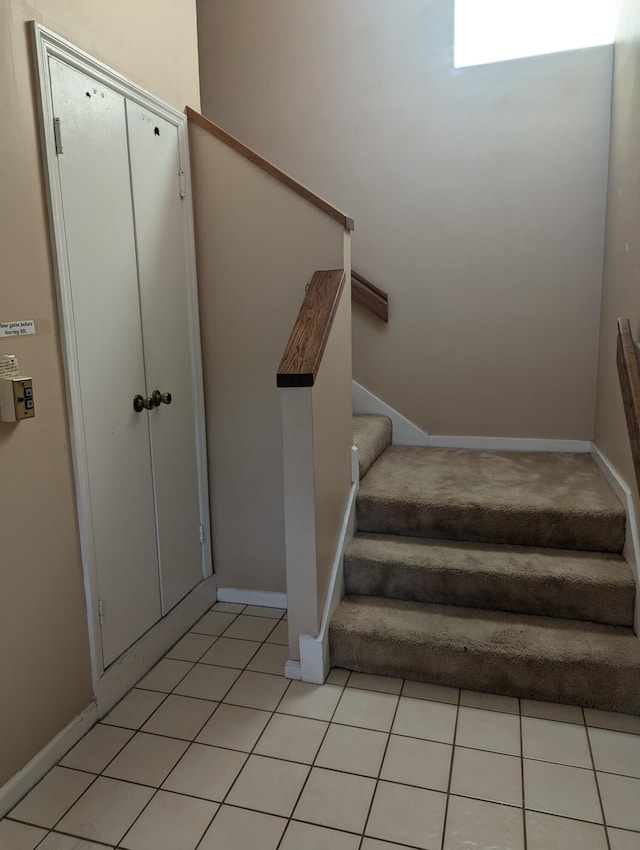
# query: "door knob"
[140,403]
[160,398]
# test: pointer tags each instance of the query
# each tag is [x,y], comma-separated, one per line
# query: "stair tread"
[594,586]
[525,498]
[371,434]
[520,655]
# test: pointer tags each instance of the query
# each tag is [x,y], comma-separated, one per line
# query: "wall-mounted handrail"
[303,353]
[265,165]
[364,292]
[628,360]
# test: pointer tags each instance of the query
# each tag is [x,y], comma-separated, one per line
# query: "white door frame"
[49,45]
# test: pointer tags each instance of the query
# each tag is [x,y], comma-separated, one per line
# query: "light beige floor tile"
[375,844]
[229,607]
[180,717]
[488,730]
[338,676]
[263,611]
[548,740]
[250,628]
[622,840]
[280,634]
[19,836]
[616,752]
[239,829]
[370,682]
[134,709]
[337,800]
[227,652]
[367,709]
[551,711]
[419,718]
[94,752]
[106,810]
[234,727]
[561,790]
[473,823]
[57,841]
[52,796]
[306,836]
[170,822]
[270,658]
[407,815]
[352,750]
[435,693]
[147,759]
[306,700]
[192,647]
[492,702]
[214,623]
[165,675]
[487,776]
[548,831]
[620,800]
[257,690]
[206,772]
[415,762]
[268,785]
[612,720]
[292,738]
[207,682]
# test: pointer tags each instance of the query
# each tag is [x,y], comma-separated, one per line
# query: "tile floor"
[215,750]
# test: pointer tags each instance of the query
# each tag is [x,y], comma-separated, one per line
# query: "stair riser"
[604,533]
[523,594]
[592,684]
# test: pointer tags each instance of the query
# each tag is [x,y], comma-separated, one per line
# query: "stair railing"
[628,360]
[314,378]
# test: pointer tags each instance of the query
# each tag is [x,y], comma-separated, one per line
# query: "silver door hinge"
[101,612]
[182,183]
[202,533]
[57,135]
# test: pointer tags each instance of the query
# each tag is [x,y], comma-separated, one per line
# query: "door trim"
[49,45]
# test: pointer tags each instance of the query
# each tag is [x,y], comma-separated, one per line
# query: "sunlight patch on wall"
[497,30]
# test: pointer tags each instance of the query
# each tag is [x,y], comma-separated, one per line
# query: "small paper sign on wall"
[22,327]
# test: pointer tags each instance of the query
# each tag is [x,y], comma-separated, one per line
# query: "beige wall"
[478,197]
[257,246]
[621,283]
[44,662]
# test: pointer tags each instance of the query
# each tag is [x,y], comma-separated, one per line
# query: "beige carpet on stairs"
[372,435]
[525,498]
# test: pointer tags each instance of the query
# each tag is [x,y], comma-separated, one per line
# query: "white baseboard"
[314,650]
[405,433]
[122,675]
[293,670]
[264,598]
[509,444]
[20,784]
[631,551]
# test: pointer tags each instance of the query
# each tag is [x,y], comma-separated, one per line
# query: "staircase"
[493,571]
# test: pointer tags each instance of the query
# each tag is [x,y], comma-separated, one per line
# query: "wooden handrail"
[303,353]
[364,292]
[628,360]
[265,165]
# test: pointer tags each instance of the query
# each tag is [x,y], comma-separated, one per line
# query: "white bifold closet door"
[119,175]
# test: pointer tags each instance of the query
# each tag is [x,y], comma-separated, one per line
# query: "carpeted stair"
[495,571]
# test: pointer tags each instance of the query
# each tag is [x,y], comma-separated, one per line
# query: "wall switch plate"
[16,399]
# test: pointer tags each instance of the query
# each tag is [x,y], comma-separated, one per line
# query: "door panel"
[155,164]
[95,183]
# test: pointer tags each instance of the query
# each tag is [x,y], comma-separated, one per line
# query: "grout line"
[524,817]
[595,779]
[453,755]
